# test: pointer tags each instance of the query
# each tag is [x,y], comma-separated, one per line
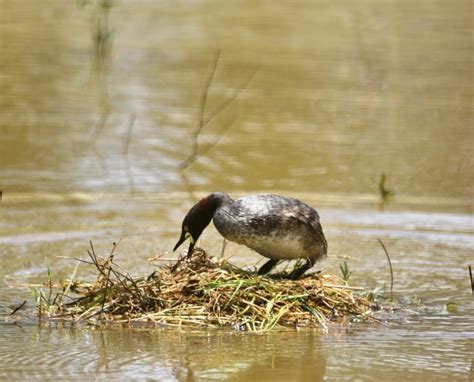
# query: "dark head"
[199,217]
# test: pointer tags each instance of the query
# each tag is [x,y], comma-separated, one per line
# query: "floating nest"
[202,291]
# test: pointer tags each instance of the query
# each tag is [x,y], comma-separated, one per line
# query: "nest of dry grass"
[203,291]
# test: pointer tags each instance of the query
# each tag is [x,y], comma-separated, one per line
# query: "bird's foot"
[267,267]
[296,273]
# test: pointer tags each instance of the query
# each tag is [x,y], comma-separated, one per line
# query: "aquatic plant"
[346,273]
[472,281]
[385,193]
[390,265]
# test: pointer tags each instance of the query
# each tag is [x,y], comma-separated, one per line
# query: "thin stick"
[18,308]
[224,104]
[206,121]
[341,287]
[50,282]
[211,145]
[108,263]
[472,281]
[71,280]
[131,122]
[391,269]
[95,262]
[128,167]
[100,124]
[202,108]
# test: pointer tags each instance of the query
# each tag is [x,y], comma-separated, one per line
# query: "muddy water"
[98,107]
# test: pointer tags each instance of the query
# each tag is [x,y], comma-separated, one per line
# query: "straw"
[206,292]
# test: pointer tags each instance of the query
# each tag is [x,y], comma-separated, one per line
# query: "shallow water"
[65,353]
[328,96]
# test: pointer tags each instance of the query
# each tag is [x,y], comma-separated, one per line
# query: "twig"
[92,248]
[99,126]
[391,269]
[120,276]
[385,193]
[211,145]
[95,262]
[202,108]
[71,280]
[224,104]
[188,186]
[50,283]
[18,308]
[130,278]
[108,264]
[221,107]
[81,260]
[342,287]
[131,122]
[128,167]
[472,281]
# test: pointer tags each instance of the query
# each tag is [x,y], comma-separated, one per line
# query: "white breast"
[276,247]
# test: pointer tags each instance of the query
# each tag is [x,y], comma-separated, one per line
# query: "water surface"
[98,109]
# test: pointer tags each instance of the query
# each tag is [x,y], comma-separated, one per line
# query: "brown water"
[328,96]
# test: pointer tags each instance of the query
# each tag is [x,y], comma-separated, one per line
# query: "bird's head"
[199,217]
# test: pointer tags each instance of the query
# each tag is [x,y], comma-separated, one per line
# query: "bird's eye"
[185,228]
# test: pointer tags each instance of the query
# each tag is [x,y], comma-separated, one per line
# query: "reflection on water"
[57,353]
[163,355]
[99,106]
[348,92]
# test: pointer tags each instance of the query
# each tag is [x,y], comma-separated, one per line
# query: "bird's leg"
[267,267]
[296,273]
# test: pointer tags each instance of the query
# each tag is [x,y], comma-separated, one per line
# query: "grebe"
[277,227]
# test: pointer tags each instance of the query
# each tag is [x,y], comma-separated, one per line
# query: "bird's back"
[275,226]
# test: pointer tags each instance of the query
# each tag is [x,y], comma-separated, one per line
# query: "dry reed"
[203,291]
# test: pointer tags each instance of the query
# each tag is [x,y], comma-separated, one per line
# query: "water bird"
[277,227]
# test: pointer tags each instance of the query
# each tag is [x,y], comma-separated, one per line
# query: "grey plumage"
[277,227]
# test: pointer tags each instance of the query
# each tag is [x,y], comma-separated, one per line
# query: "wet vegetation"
[204,292]
[385,193]
[472,281]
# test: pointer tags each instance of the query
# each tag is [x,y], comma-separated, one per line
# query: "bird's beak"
[191,247]
[180,241]
[184,236]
